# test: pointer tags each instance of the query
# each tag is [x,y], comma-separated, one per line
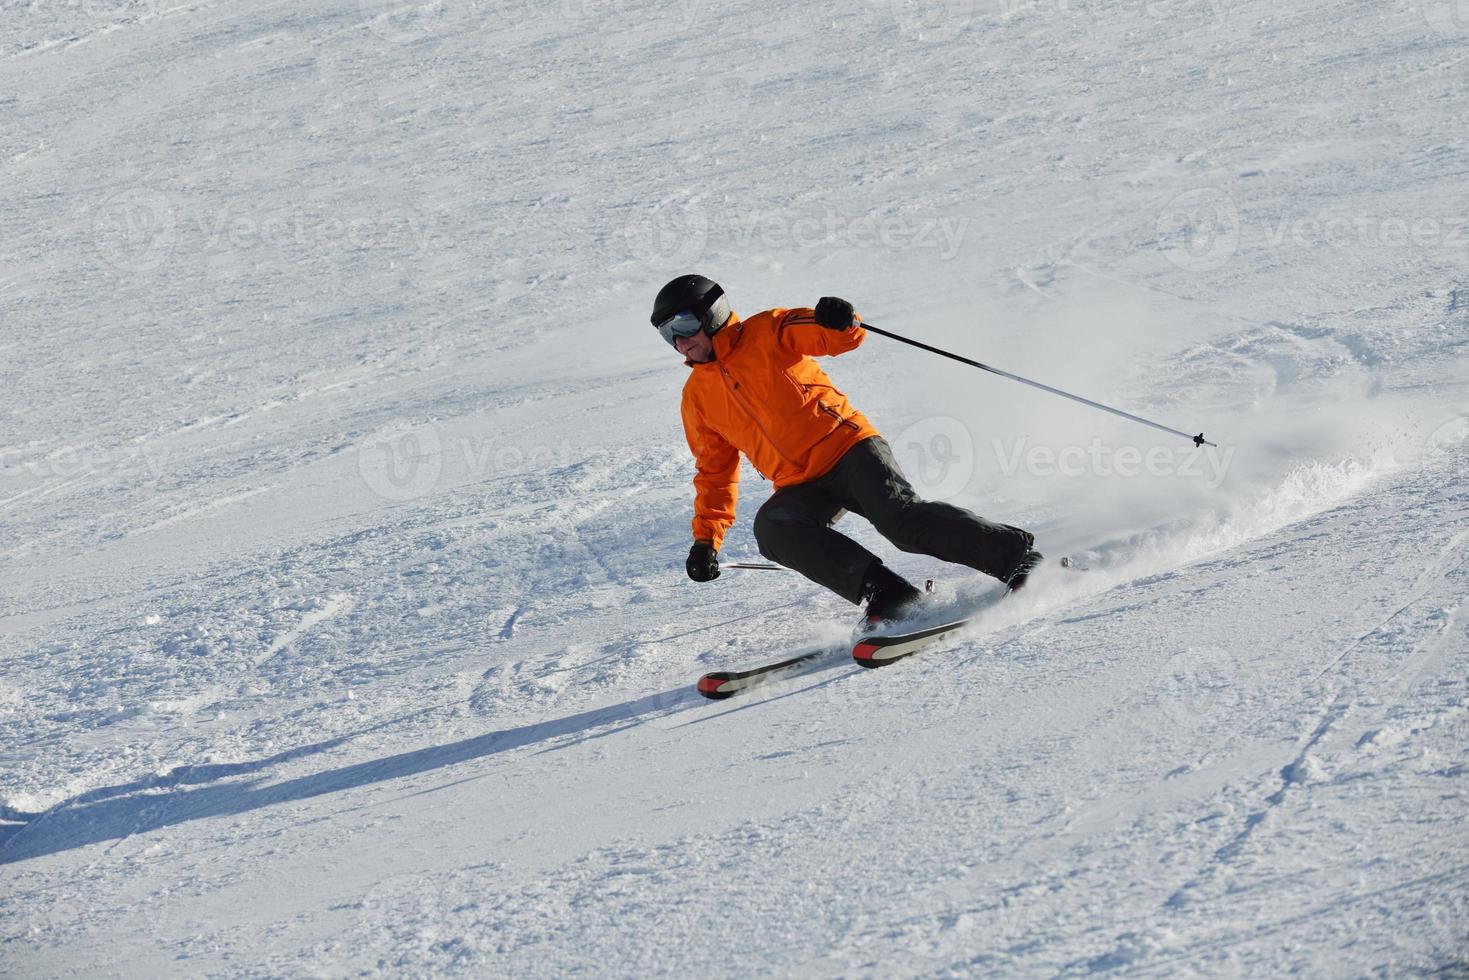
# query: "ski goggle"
[684,324]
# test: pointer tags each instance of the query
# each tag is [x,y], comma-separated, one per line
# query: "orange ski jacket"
[763,395]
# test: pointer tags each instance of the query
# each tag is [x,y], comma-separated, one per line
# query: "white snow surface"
[343,498]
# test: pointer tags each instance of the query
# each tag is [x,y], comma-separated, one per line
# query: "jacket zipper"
[837,415]
[733,387]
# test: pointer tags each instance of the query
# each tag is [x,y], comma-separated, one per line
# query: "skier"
[754,388]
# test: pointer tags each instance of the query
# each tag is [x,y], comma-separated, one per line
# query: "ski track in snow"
[345,502]
[333,606]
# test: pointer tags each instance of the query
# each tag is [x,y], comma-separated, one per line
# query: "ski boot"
[1017,578]
[889,597]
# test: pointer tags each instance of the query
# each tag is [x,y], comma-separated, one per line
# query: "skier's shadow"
[117,812]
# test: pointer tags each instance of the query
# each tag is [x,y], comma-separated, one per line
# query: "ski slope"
[344,501]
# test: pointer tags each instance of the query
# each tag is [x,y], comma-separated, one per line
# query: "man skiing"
[754,388]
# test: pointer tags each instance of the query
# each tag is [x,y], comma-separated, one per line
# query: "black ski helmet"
[699,294]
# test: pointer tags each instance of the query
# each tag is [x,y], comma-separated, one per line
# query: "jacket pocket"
[837,415]
[802,390]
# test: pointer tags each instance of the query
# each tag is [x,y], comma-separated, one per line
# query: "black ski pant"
[794,527]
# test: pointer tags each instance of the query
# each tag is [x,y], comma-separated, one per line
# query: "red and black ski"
[876,650]
[882,649]
[870,651]
[723,683]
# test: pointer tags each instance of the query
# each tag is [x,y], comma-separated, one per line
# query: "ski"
[721,684]
[875,650]
[881,649]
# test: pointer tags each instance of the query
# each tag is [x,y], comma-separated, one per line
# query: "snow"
[343,500]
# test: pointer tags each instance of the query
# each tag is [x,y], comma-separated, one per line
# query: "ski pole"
[1197,440]
[755,565]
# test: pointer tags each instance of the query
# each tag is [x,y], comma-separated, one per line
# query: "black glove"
[703,563]
[833,313]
